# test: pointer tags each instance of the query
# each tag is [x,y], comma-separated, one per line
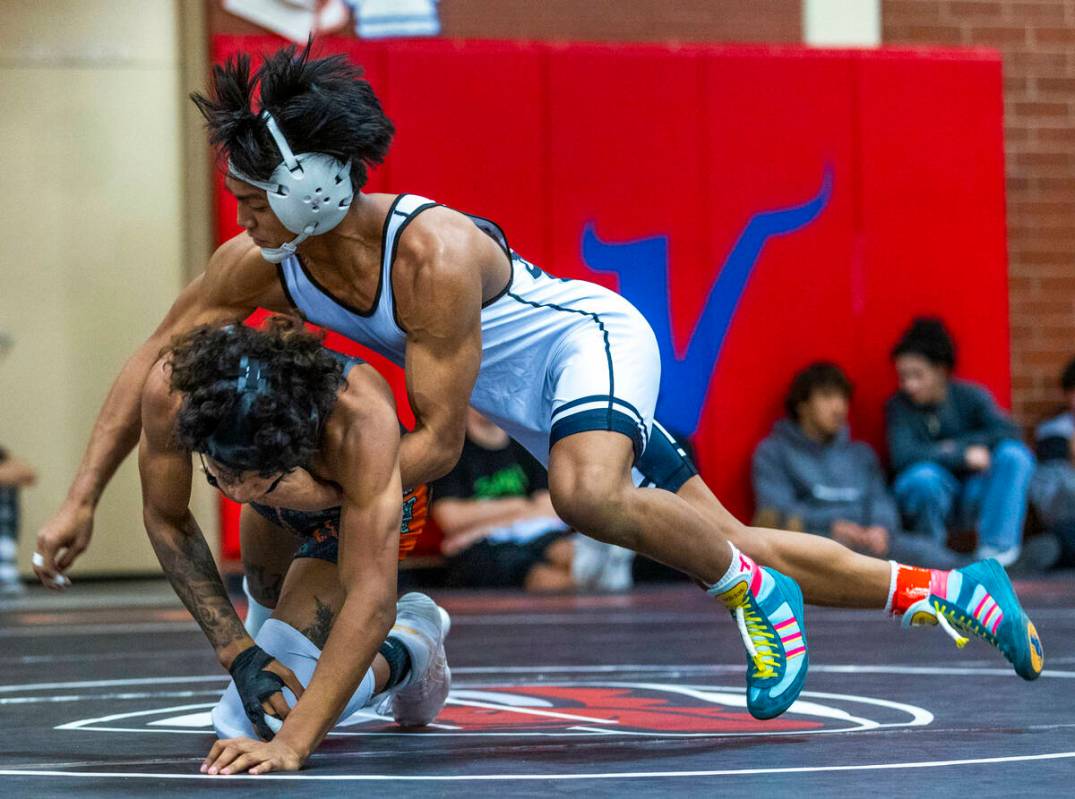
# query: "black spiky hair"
[321,105]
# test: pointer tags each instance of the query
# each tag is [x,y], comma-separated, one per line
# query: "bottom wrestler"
[283,424]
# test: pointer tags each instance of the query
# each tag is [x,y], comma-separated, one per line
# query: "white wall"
[92,249]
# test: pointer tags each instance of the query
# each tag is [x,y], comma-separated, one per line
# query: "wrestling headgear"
[309,192]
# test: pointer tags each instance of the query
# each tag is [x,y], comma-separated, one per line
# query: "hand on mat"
[260,679]
[236,755]
[60,540]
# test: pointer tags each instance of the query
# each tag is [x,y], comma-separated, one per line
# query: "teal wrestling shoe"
[979,600]
[768,610]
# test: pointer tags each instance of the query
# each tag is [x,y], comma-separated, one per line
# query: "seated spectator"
[500,529]
[809,475]
[1052,489]
[14,474]
[957,456]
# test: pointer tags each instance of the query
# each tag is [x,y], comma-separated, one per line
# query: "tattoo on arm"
[193,573]
[319,630]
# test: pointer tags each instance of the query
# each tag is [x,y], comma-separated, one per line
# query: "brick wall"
[1037,40]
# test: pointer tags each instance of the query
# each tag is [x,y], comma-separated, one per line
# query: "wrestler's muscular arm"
[236,281]
[365,445]
[438,292]
[176,537]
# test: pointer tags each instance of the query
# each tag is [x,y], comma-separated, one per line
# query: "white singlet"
[558,356]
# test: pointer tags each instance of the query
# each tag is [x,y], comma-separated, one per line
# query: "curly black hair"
[254,400]
[928,337]
[818,376]
[321,106]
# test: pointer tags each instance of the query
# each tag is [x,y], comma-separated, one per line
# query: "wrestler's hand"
[260,680]
[236,755]
[60,541]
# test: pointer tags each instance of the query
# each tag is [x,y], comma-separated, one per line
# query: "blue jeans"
[995,501]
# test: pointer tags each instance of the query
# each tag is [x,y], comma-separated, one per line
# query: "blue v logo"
[642,267]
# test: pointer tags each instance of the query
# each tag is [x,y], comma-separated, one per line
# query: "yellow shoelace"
[949,622]
[758,640]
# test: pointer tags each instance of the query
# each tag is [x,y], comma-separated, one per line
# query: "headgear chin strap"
[309,192]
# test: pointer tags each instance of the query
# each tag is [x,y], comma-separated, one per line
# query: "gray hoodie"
[821,483]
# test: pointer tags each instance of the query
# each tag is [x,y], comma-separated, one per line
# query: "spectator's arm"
[774,490]
[16,473]
[908,443]
[991,424]
[541,504]
[462,516]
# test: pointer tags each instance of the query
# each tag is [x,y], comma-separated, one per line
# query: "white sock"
[299,654]
[894,570]
[740,566]
[256,613]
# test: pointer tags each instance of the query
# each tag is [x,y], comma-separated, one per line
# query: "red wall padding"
[690,144]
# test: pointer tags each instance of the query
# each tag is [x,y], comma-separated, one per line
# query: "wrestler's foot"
[421,626]
[979,600]
[768,610]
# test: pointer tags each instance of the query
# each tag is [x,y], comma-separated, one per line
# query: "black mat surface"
[603,696]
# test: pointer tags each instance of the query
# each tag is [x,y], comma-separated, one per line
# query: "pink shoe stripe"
[793,637]
[1000,618]
[994,610]
[938,583]
[795,652]
[784,623]
[755,581]
[978,609]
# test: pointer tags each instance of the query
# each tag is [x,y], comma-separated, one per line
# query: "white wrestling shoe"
[421,626]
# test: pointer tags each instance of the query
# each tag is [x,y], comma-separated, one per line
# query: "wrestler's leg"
[829,573]
[267,551]
[591,487]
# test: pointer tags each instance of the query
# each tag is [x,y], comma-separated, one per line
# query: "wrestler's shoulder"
[237,269]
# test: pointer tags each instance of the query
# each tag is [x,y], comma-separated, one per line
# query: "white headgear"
[309,192]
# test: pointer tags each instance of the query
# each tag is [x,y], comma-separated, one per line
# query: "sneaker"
[421,626]
[617,574]
[979,600]
[587,561]
[767,608]
[1005,557]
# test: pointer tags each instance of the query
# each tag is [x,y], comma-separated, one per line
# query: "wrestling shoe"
[768,609]
[421,626]
[979,600]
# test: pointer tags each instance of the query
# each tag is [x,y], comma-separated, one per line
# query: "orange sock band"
[909,584]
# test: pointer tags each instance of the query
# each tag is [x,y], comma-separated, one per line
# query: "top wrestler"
[569,369]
